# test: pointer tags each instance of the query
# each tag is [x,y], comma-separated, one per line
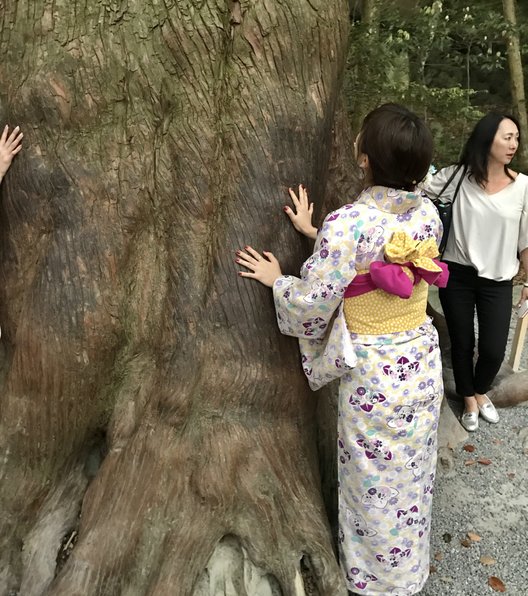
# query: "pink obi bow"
[393,279]
[402,251]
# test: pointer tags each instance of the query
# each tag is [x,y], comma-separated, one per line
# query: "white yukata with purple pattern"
[389,394]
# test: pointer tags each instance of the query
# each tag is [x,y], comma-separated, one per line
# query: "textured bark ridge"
[149,407]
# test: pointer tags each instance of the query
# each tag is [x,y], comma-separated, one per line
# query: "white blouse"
[488,230]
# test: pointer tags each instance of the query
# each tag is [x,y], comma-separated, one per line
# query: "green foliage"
[444,59]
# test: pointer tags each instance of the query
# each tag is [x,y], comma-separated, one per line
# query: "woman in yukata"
[359,311]
[488,234]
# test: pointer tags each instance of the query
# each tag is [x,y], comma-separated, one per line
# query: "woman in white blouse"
[489,233]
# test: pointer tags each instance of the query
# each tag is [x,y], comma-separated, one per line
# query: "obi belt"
[392,295]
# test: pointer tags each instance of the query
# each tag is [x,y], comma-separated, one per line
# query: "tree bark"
[516,75]
[157,435]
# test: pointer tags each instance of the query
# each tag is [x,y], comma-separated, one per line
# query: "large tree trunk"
[157,435]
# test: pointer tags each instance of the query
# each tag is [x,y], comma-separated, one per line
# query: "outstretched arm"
[10,145]
[306,305]
[301,218]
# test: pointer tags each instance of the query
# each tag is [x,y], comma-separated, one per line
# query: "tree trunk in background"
[157,435]
[367,35]
[516,77]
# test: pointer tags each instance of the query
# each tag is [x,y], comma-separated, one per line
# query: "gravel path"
[490,502]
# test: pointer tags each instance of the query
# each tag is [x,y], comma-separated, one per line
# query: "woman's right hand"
[301,218]
[9,147]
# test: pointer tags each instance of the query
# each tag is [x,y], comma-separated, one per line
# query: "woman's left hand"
[264,268]
[524,296]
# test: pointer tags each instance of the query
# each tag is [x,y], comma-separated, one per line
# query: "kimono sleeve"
[305,305]
[434,222]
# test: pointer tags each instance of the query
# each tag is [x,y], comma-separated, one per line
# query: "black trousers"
[492,300]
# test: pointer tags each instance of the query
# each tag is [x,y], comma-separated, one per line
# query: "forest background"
[447,60]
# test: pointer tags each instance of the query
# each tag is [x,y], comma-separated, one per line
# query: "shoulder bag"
[445,210]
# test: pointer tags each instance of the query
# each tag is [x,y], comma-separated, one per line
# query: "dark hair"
[398,144]
[475,155]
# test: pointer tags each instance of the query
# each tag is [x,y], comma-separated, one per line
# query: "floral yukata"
[359,311]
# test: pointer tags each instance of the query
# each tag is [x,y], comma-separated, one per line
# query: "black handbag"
[445,210]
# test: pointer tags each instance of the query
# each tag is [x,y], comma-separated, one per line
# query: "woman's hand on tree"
[301,218]
[264,268]
[10,145]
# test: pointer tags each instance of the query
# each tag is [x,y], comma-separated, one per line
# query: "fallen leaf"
[465,542]
[469,448]
[496,584]
[497,441]
[511,475]
[487,560]
[470,462]
[432,569]
[484,461]
[447,537]
[439,556]
[474,537]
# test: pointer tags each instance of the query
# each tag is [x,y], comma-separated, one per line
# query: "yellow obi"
[392,295]
[377,312]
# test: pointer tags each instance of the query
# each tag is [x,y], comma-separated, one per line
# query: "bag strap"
[460,166]
[459,182]
[446,232]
